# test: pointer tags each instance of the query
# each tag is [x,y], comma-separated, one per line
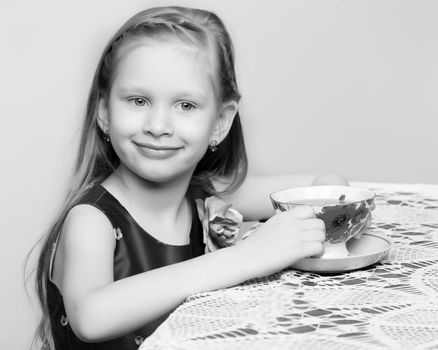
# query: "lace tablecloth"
[390,305]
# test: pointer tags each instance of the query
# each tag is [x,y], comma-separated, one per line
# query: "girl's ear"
[103,116]
[225,120]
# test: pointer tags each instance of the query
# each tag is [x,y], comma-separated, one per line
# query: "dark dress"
[136,251]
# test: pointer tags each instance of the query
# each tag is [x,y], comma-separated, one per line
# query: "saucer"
[370,248]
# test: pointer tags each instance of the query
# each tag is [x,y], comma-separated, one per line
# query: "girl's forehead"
[201,54]
[170,64]
[166,49]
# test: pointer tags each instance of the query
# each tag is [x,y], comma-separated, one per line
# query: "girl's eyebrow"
[177,94]
[192,94]
[130,89]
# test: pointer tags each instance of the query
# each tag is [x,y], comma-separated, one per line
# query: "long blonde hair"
[96,158]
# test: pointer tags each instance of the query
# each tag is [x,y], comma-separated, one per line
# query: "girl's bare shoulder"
[86,244]
[87,220]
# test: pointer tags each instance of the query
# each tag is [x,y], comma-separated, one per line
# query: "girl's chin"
[164,177]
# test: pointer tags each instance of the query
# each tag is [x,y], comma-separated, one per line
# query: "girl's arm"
[252,198]
[99,308]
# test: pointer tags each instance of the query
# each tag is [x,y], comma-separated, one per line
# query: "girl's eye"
[186,106]
[138,101]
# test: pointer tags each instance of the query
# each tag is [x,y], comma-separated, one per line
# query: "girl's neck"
[161,199]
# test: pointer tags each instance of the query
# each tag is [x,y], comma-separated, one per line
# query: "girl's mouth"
[157,151]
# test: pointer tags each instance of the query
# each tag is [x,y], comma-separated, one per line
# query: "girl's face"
[162,110]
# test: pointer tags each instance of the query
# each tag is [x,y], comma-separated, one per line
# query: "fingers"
[312,249]
[314,236]
[313,224]
[313,243]
[318,255]
[358,236]
[368,223]
[308,217]
[302,212]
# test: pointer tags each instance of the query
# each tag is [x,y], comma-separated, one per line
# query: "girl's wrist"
[248,259]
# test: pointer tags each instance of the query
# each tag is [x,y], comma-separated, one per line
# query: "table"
[390,305]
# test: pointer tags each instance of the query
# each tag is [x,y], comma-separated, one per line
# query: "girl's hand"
[282,240]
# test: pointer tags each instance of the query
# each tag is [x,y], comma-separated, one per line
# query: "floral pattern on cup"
[344,222]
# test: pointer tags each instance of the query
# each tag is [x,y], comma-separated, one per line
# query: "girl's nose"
[158,122]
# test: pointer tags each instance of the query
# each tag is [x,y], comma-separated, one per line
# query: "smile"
[157,151]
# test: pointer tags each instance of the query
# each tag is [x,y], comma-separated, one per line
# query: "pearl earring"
[107,135]
[213,145]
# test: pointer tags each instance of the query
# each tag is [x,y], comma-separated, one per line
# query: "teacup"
[345,211]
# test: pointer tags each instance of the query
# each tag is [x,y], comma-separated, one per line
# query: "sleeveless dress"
[136,251]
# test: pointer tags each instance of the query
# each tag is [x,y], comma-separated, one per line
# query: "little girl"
[162,129]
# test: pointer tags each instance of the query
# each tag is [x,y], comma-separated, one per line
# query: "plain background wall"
[328,86]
